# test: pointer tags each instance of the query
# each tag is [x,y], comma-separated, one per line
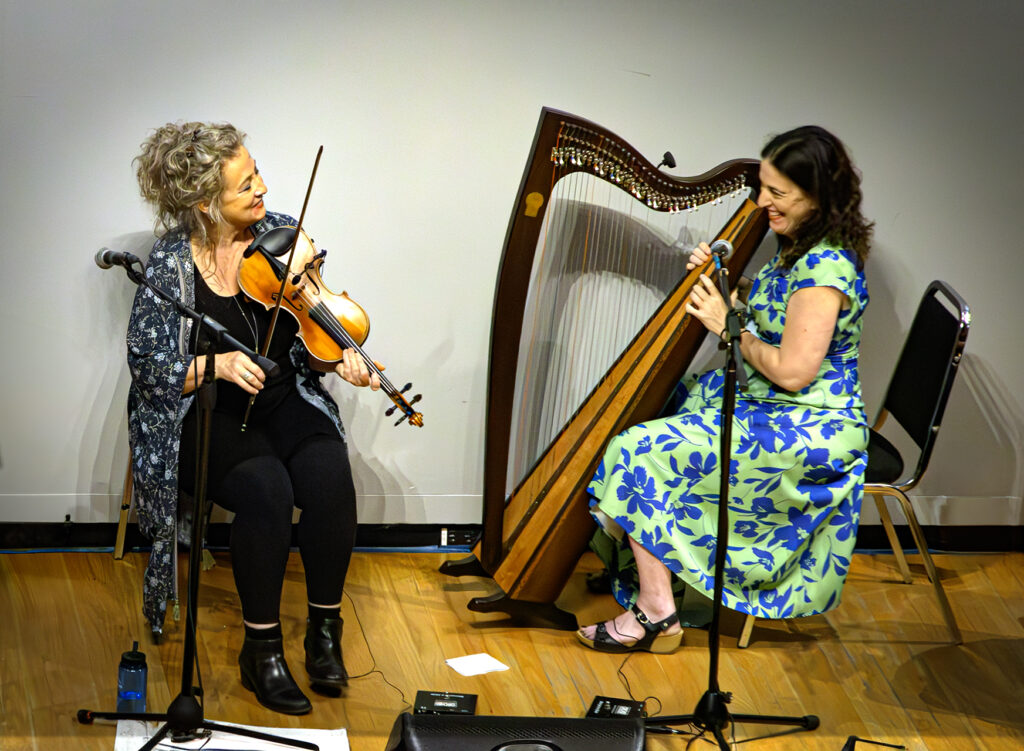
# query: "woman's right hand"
[241,370]
[229,366]
[698,256]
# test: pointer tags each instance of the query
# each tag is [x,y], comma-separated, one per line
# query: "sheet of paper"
[132,734]
[475,664]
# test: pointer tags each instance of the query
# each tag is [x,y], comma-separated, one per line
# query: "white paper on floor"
[475,664]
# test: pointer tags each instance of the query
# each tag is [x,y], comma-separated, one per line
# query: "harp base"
[537,614]
[468,566]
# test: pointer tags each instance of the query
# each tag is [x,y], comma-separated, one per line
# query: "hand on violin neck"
[354,369]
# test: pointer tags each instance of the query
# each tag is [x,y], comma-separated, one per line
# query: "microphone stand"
[711,713]
[184,720]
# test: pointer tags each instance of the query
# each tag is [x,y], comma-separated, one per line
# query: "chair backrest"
[925,371]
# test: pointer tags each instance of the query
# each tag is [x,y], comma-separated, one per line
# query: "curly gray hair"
[180,168]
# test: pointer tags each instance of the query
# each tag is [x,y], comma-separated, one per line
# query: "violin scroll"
[414,418]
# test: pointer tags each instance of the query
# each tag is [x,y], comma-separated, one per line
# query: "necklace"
[254,327]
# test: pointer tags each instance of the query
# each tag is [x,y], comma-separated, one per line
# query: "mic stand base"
[184,722]
[712,715]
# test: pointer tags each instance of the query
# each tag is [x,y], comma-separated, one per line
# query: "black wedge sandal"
[654,639]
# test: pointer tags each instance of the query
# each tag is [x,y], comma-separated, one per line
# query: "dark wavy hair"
[817,162]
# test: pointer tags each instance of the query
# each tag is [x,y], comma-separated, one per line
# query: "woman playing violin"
[208,196]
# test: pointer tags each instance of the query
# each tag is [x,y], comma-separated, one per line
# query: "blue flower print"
[746,528]
[670,440]
[700,466]
[792,535]
[643,446]
[764,558]
[735,576]
[757,439]
[807,560]
[657,543]
[776,601]
[845,521]
[639,490]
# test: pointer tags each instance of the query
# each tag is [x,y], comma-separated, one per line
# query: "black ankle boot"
[323,653]
[265,673]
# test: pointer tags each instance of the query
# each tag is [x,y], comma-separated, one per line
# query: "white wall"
[426,112]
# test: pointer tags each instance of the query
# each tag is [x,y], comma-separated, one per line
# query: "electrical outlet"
[453,537]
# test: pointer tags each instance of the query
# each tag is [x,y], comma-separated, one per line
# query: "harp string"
[605,262]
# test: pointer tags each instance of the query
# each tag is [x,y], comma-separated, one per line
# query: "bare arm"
[811,316]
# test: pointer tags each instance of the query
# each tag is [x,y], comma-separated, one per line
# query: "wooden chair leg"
[929,566]
[890,532]
[126,508]
[748,627]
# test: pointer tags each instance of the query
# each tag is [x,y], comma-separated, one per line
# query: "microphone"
[107,258]
[668,160]
[721,248]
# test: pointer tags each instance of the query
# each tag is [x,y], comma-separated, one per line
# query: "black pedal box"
[442,702]
[609,708]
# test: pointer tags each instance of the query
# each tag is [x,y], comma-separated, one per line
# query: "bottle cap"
[134,655]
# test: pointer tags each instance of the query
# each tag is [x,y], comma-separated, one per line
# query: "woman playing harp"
[799,443]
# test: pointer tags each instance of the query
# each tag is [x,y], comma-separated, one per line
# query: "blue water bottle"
[131,681]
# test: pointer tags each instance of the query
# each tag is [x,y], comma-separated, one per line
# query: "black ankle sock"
[263,634]
[318,614]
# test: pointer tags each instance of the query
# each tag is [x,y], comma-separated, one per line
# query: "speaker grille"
[473,733]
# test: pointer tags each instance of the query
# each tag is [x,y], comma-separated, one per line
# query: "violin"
[328,323]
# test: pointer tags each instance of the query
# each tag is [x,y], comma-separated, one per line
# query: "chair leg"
[126,508]
[933,575]
[894,541]
[748,627]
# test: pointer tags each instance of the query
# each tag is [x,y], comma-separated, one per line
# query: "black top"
[248,322]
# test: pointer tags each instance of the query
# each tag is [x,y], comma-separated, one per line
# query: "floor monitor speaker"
[480,733]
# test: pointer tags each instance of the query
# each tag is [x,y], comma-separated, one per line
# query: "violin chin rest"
[276,242]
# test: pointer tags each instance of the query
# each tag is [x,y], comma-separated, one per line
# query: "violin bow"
[284,277]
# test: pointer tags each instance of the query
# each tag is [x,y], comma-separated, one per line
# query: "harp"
[589,336]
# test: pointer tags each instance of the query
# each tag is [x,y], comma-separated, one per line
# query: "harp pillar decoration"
[589,337]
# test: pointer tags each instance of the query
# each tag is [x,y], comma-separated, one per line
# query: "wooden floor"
[878,667]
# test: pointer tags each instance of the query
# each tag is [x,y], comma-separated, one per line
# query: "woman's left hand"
[354,370]
[707,306]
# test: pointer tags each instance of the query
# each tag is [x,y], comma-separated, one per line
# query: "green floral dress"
[796,474]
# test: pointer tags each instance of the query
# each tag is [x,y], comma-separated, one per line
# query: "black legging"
[292,456]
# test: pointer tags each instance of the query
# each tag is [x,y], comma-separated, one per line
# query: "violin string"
[333,327]
[340,332]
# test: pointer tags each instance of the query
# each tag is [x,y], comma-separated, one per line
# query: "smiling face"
[787,204]
[241,201]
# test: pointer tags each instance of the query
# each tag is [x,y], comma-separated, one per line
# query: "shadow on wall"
[362,413]
[981,444]
[975,474]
